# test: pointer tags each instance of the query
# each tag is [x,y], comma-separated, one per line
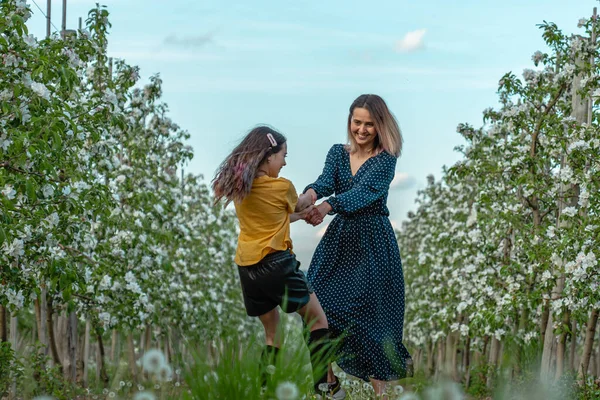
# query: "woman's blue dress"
[356,270]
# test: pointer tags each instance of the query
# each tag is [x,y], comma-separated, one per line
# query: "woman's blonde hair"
[389,137]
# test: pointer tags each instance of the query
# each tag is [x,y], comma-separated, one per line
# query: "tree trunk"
[550,337]
[593,367]
[14,338]
[588,344]
[562,348]
[493,361]
[86,353]
[452,355]
[100,360]
[113,347]
[573,345]
[467,362]
[72,346]
[430,357]
[52,337]
[544,322]
[440,358]
[62,344]
[3,327]
[131,353]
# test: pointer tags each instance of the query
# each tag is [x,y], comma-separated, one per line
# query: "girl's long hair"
[233,179]
[389,137]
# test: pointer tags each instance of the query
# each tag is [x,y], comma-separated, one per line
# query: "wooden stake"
[64,20]
[48,20]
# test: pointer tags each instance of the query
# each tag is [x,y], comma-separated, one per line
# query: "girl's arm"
[301,214]
[305,200]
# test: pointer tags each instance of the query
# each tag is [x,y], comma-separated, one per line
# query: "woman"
[356,270]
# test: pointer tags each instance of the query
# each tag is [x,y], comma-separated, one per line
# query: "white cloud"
[189,41]
[412,41]
[402,180]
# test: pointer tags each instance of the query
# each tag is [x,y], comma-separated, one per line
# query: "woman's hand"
[316,216]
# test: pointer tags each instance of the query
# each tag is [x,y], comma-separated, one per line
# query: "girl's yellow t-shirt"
[264,217]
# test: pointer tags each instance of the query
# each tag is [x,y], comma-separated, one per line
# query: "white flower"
[153,360]
[581,23]
[53,219]
[144,396]
[323,387]
[537,57]
[270,369]
[43,398]
[15,298]
[165,373]
[110,97]
[5,142]
[41,90]
[569,211]
[48,191]
[546,275]
[30,41]
[15,249]
[66,190]
[398,389]
[287,391]
[106,282]
[9,192]
[6,95]
[464,330]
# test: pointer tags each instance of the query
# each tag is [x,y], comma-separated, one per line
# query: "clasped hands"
[308,211]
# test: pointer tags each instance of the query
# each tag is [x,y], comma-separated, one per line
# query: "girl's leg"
[313,314]
[270,322]
[315,318]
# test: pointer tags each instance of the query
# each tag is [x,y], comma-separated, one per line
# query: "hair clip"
[272,140]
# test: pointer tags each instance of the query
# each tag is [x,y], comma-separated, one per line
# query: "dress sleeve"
[325,184]
[374,185]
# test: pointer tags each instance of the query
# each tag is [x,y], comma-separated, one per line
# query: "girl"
[265,205]
[356,270]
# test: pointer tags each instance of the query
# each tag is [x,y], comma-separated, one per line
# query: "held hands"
[306,210]
[316,215]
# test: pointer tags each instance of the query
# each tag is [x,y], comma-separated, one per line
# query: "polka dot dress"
[356,270]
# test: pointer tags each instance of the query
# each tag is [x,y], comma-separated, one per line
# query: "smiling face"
[362,128]
[276,161]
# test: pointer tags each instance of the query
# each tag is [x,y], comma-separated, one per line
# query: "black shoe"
[335,391]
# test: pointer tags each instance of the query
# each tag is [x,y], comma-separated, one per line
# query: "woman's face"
[276,162]
[362,128]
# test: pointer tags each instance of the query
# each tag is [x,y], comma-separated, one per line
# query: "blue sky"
[298,65]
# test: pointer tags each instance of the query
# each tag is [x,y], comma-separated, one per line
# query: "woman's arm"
[374,185]
[325,184]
